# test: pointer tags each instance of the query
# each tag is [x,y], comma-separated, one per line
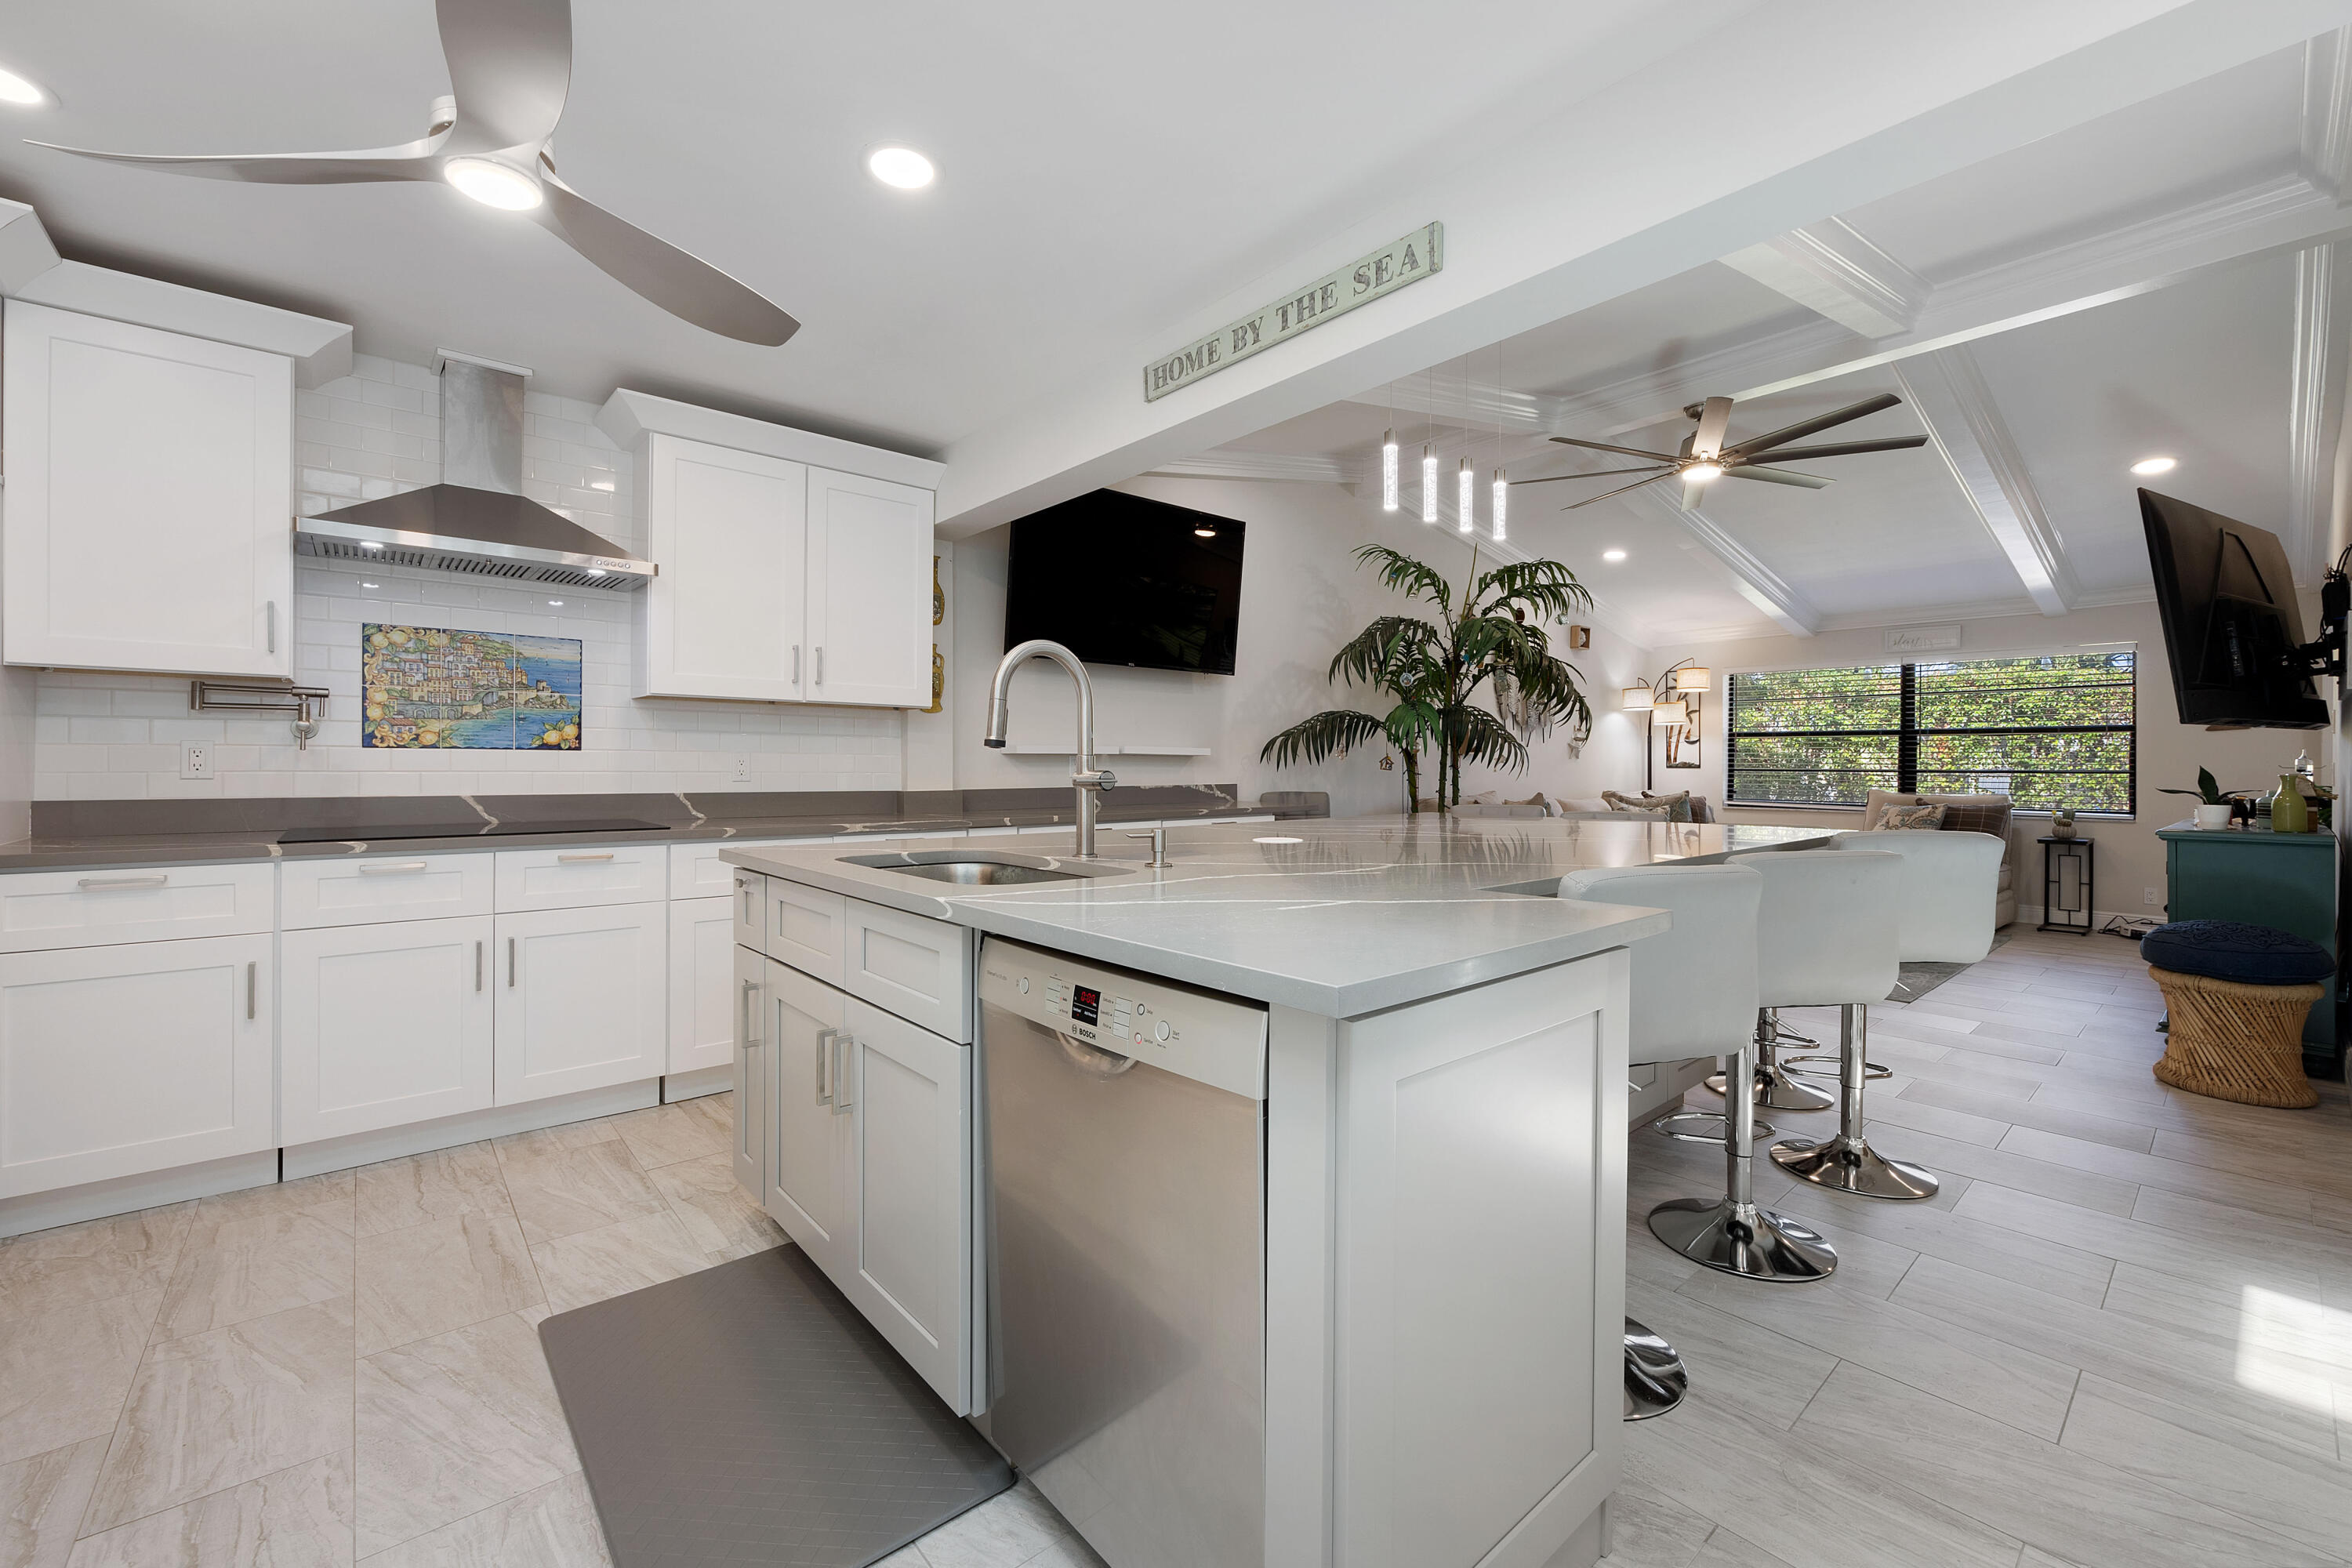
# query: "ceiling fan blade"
[410,161]
[1804,427]
[681,283]
[509,67]
[1777,476]
[1840,449]
[1693,491]
[1595,474]
[1619,490]
[1713,421]
[1621,451]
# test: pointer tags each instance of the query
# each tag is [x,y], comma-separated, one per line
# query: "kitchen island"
[1443,1093]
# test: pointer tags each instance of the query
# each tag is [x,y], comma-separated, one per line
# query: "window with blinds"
[2056,731]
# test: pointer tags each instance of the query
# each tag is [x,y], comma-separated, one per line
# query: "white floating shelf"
[1110,750]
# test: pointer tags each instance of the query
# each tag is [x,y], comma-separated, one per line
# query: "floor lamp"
[1665,700]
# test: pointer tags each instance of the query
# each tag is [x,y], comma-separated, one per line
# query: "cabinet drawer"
[370,889]
[808,927]
[696,871]
[751,896]
[581,878]
[920,968]
[44,909]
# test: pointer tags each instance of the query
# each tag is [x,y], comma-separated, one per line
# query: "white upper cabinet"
[149,499]
[869,594]
[727,614]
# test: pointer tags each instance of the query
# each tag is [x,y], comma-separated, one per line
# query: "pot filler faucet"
[1089,779]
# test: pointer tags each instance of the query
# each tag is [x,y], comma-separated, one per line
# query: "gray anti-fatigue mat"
[748,1414]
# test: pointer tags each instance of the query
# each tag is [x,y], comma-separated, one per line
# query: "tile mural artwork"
[425,686]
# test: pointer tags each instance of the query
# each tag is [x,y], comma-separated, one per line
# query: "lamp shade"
[1692,678]
[1669,715]
[1636,698]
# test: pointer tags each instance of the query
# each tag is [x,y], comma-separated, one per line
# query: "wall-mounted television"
[1118,579]
[2226,596]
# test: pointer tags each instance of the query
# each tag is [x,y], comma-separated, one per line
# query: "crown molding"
[2327,142]
[2323,346]
[1275,466]
[1833,270]
[1948,392]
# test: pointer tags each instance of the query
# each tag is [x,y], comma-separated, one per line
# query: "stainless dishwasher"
[1124,1145]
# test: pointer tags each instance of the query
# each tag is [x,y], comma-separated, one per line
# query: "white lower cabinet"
[808,1136]
[579,999]
[751,1146]
[118,1061]
[702,1010]
[385,1025]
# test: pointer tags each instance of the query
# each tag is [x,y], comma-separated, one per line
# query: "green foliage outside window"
[2051,731]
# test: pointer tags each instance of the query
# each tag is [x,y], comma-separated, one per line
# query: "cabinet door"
[808,1133]
[580,996]
[728,530]
[149,499]
[869,591]
[385,1025]
[748,975]
[118,1061]
[702,1011]
[910,1097]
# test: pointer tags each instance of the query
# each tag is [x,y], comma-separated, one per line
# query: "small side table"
[2066,902]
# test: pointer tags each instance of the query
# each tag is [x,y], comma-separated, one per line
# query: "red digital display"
[1085,1004]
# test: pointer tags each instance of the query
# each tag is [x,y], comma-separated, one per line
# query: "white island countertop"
[1337,917]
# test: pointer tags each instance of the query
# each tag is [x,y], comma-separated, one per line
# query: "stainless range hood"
[476,520]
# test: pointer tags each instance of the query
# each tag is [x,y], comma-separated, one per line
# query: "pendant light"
[1501,504]
[1468,483]
[1428,484]
[1388,471]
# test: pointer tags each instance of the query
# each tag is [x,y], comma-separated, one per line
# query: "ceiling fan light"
[22,92]
[493,183]
[1613,555]
[1702,473]
[2156,465]
[900,168]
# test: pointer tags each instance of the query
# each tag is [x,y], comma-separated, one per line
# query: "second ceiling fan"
[1705,457]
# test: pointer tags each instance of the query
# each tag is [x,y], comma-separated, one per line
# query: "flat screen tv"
[1118,579]
[2226,596]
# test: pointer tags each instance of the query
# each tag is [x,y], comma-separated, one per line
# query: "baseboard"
[126,1194]
[469,1127]
[2029,918]
[694,1085]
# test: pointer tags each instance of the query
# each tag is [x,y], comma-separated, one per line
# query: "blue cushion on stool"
[2232,950]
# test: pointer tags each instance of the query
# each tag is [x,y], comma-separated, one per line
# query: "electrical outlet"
[2151,895]
[195,758]
[742,769]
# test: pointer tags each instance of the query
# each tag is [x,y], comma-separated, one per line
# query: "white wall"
[371,434]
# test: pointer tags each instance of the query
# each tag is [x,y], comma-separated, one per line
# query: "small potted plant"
[2213,802]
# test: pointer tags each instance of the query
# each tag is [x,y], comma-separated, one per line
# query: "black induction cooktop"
[475,829]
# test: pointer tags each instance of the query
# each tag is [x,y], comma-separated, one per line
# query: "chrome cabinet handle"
[820,665]
[747,892]
[846,1044]
[751,989]
[595,855]
[796,663]
[252,970]
[104,884]
[273,625]
[477,964]
[511,962]
[825,1038]
[391,867]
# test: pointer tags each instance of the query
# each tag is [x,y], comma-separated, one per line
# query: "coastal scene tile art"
[428,687]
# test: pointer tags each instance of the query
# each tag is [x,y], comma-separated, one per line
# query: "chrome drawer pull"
[599,855]
[387,867]
[825,1038]
[104,884]
[477,964]
[751,989]
[251,968]
[510,941]
[842,1038]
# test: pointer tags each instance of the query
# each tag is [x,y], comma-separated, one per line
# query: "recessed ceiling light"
[1613,555]
[1278,838]
[493,183]
[2156,465]
[900,168]
[22,92]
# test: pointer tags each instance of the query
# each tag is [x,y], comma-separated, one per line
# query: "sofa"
[1962,814]
[1571,807]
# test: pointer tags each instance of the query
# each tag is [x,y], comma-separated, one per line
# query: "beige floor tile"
[401,1192]
[300,1517]
[1653,1532]
[614,1259]
[565,1191]
[1768,1375]
[553,1527]
[441,1275]
[1010,1529]
[41,1503]
[252,1263]
[1727,1548]
[120,1256]
[328,1197]
[719,1215]
[227,1407]
[453,1425]
[665,1134]
[63,1374]
[546,1140]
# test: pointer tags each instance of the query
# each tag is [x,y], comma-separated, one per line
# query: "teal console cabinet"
[2284,881]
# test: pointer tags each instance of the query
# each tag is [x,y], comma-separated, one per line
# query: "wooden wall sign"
[1384,272]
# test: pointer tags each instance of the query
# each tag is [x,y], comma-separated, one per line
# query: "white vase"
[2211,816]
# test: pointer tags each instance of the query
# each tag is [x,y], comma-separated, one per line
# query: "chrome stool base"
[1740,1238]
[1776,1090]
[1851,1165]
[1654,1379]
[1869,1069]
[1762,1129]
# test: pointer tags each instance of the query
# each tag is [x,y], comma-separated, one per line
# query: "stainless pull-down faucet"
[1089,779]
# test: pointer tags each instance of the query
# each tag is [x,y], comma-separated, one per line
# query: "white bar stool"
[1695,994]
[1826,937]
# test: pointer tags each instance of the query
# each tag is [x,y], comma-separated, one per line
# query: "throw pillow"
[1900,816]
[1679,805]
[1672,808]
[1642,814]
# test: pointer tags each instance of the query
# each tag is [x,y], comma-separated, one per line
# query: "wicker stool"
[2237,995]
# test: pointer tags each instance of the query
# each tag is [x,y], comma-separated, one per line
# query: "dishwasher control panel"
[1214,1039]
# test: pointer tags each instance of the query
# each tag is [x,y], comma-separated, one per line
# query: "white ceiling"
[2198,362]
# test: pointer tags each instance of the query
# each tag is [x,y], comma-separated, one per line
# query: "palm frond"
[1546,587]
[1317,738]
[1384,651]
[1402,572]
[1484,738]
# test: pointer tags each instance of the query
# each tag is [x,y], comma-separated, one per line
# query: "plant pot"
[2211,816]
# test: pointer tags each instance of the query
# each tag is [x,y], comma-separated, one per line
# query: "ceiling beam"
[1281,466]
[2326,155]
[1833,270]
[1951,396]
[2322,355]
[1754,582]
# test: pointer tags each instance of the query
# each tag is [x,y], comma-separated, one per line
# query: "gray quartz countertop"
[1338,918]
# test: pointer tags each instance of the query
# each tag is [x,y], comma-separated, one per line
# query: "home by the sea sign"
[1384,272]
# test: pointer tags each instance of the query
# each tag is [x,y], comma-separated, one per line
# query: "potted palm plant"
[1431,669]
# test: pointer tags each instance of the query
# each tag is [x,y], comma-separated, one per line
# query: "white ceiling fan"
[1704,457]
[511,66]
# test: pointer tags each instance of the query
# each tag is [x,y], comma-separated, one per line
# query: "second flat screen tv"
[1118,579]
[2225,594]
